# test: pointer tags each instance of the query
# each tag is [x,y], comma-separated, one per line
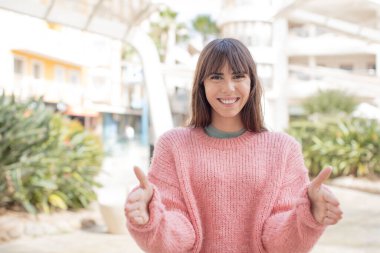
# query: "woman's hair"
[211,60]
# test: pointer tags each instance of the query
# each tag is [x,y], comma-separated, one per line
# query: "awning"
[109,18]
[81,112]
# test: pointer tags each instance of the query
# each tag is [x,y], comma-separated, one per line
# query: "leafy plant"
[350,145]
[330,102]
[166,23]
[46,161]
[205,26]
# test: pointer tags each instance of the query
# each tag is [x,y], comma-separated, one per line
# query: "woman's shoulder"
[280,138]
[176,134]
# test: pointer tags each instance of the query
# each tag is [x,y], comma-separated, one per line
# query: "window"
[74,77]
[371,67]
[37,69]
[59,74]
[265,72]
[263,31]
[348,67]
[256,34]
[18,66]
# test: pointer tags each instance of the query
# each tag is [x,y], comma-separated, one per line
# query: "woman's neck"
[228,124]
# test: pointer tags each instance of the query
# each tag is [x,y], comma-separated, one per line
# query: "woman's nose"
[229,85]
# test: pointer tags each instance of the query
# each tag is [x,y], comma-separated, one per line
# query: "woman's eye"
[215,77]
[239,76]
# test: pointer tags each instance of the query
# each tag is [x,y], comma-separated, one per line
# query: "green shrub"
[47,162]
[350,145]
[330,102]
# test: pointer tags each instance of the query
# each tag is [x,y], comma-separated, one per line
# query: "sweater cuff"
[303,210]
[156,211]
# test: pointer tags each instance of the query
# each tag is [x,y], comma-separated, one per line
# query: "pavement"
[357,232]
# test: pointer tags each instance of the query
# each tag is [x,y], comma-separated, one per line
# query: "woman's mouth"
[228,101]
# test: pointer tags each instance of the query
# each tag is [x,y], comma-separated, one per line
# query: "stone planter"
[111,205]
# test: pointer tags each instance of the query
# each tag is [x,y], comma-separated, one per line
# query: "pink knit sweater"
[241,195]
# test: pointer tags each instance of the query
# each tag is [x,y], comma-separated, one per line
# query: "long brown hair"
[211,60]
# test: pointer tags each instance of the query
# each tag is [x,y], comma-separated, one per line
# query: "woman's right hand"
[136,206]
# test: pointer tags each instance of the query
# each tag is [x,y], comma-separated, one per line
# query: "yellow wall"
[48,64]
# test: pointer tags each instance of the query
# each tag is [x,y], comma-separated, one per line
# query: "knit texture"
[245,194]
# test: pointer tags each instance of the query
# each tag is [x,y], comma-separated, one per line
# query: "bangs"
[226,52]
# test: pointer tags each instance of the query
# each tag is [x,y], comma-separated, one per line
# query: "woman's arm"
[291,227]
[169,228]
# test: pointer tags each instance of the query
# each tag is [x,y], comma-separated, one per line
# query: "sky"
[188,9]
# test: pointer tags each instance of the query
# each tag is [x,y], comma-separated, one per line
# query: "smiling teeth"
[228,101]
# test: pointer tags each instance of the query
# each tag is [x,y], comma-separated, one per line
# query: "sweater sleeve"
[169,228]
[291,227]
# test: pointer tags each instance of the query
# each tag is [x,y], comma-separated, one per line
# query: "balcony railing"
[71,94]
[303,81]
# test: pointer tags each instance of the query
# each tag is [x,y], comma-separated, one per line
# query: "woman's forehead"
[226,67]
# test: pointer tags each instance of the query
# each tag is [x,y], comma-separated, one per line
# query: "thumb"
[322,176]
[144,183]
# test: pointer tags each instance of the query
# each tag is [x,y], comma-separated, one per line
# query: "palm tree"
[205,26]
[166,31]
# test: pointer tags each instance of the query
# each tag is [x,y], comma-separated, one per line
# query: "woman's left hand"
[324,205]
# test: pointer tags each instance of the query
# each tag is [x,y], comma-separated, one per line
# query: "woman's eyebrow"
[233,73]
[239,72]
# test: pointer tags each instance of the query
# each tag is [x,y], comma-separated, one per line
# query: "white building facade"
[78,73]
[302,46]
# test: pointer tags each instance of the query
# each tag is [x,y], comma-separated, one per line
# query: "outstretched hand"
[324,205]
[136,206]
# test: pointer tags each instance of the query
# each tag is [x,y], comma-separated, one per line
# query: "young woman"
[225,183]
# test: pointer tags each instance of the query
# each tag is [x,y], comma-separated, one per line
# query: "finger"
[322,176]
[333,215]
[130,214]
[139,218]
[330,198]
[134,206]
[142,220]
[135,196]
[334,209]
[144,183]
[329,221]
[133,214]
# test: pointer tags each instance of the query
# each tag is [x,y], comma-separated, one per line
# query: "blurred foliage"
[166,22]
[47,162]
[128,52]
[205,26]
[330,102]
[350,145]
[160,28]
[330,136]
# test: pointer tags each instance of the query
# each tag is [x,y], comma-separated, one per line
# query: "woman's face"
[227,93]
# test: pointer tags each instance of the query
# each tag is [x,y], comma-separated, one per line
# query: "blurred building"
[303,46]
[77,73]
[299,47]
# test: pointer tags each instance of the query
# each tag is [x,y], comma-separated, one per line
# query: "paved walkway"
[358,232]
